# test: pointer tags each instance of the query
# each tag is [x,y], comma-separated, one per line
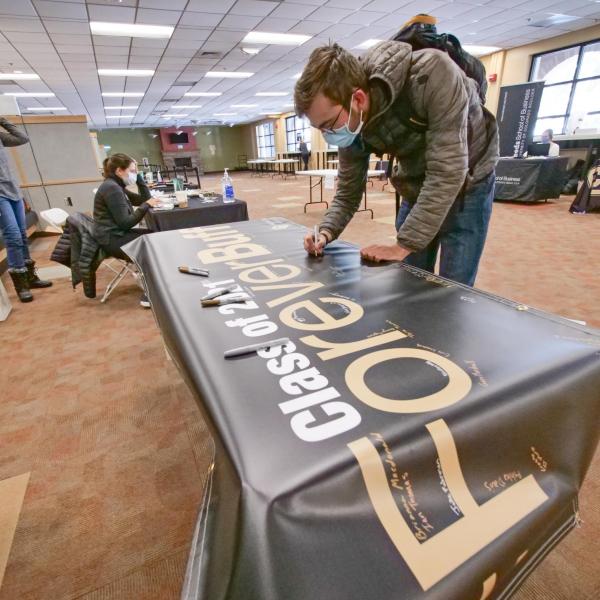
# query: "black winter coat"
[78,250]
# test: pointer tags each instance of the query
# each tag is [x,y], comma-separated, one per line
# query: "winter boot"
[32,276]
[21,283]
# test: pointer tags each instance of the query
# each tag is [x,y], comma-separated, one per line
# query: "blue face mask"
[342,137]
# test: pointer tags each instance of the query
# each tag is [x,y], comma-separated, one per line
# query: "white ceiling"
[52,38]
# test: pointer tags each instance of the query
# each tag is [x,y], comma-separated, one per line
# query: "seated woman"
[114,216]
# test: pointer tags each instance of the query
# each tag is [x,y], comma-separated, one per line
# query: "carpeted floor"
[98,418]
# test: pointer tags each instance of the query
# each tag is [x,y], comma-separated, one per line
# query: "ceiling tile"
[61,10]
[210,6]
[68,27]
[112,14]
[16,24]
[157,17]
[330,15]
[21,8]
[173,4]
[275,25]
[199,19]
[260,8]
[310,27]
[240,22]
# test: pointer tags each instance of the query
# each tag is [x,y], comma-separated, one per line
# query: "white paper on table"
[329,182]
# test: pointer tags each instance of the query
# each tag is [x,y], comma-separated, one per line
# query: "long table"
[415,439]
[321,174]
[199,212]
[530,179]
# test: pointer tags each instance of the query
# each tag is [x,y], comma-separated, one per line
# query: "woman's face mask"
[343,136]
[130,178]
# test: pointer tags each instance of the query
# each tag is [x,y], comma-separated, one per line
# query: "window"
[297,128]
[265,140]
[571,97]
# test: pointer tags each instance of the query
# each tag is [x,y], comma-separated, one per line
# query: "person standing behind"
[21,266]
[304,152]
[420,107]
[547,137]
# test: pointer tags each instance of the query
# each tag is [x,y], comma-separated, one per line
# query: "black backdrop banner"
[517,114]
[415,439]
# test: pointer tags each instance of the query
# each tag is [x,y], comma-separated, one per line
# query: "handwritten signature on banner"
[434,555]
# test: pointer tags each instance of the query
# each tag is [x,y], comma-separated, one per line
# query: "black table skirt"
[197,214]
[529,180]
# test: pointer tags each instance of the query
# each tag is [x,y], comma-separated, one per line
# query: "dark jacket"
[113,210]
[457,147]
[303,148]
[78,250]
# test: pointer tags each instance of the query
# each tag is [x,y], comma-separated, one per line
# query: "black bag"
[423,35]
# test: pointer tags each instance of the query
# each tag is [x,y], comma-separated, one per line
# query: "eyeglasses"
[330,128]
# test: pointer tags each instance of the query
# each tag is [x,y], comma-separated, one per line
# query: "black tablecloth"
[531,179]
[417,439]
[198,213]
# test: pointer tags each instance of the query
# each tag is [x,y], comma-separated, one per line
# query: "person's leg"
[464,232]
[423,259]
[34,281]
[13,240]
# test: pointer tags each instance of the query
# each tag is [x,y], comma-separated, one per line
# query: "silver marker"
[219,292]
[226,299]
[255,347]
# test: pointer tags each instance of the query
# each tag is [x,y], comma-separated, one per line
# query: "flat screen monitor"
[538,149]
[178,138]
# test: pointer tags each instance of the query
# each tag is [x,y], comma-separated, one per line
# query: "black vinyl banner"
[518,109]
[415,439]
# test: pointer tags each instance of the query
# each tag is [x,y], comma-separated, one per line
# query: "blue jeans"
[461,237]
[14,232]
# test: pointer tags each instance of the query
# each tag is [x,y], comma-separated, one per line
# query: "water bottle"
[227,188]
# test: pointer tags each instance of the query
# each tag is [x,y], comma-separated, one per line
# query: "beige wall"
[512,66]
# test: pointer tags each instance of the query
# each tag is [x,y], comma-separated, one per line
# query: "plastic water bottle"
[227,188]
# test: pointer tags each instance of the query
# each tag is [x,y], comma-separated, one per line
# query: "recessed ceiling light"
[203,94]
[480,50]
[122,94]
[119,116]
[367,44]
[46,108]
[18,76]
[271,94]
[228,74]
[126,72]
[30,94]
[128,107]
[192,106]
[174,116]
[251,51]
[224,114]
[243,105]
[280,39]
[131,30]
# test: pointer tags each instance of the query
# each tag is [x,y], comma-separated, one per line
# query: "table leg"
[311,186]
[365,208]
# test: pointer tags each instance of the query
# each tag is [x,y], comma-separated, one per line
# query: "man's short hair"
[332,71]
[550,133]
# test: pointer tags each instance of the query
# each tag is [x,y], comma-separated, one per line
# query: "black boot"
[32,276]
[21,283]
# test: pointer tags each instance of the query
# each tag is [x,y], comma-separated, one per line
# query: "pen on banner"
[193,271]
[316,236]
[225,299]
[255,347]
[219,292]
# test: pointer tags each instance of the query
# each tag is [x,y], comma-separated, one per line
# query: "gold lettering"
[269,275]
[303,288]
[326,320]
[217,255]
[335,350]
[457,387]
[442,553]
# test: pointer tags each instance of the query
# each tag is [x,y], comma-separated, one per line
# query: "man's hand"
[311,247]
[153,202]
[377,253]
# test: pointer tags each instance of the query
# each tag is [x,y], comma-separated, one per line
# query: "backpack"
[422,35]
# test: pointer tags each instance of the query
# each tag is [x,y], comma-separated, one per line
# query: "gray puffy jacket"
[457,146]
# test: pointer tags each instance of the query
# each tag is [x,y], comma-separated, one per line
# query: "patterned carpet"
[95,413]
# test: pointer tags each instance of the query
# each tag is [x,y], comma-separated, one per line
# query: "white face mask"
[130,179]
[342,137]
